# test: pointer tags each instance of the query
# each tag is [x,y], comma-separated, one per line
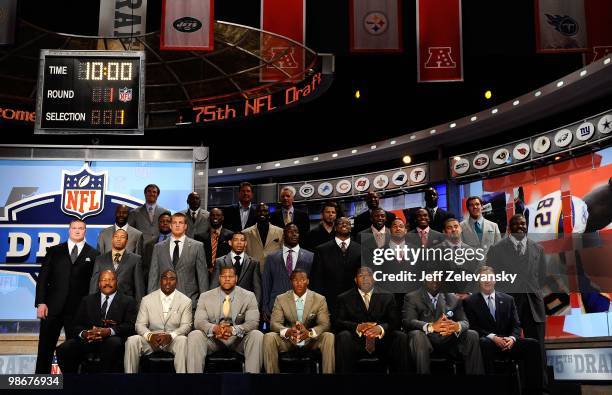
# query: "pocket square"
[87,259]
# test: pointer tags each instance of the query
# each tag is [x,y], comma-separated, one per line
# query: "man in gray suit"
[476,230]
[247,269]
[135,239]
[126,265]
[436,321]
[163,322]
[197,218]
[300,318]
[145,217]
[185,256]
[226,317]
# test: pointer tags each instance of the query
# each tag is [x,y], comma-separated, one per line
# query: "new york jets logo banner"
[187,25]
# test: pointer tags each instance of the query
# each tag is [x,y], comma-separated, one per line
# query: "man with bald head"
[263,238]
[103,322]
[135,238]
[364,220]
[197,218]
[127,266]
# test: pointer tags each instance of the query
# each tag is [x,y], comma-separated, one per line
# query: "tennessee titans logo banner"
[83,192]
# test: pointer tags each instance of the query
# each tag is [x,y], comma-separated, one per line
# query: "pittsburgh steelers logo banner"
[286,18]
[187,25]
[439,40]
[375,26]
[560,26]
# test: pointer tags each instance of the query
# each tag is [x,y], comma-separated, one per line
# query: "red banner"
[286,18]
[599,28]
[375,26]
[439,41]
[187,25]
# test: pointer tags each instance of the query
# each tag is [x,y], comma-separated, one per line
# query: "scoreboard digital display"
[90,92]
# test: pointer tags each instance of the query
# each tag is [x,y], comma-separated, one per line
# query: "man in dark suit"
[197,218]
[437,216]
[103,322]
[185,256]
[288,213]
[377,235]
[493,315]
[62,283]
[215,239]
[367,323]
[363,220]
[335,263]
[127,266]
[144,218]
[516,254]
[242,215]
[435,321]
[135,239]
[423,235]
[163,223]
[324,231]
[246,268]
[279,266]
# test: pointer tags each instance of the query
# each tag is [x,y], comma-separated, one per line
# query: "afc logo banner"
[440,58]
[83,192]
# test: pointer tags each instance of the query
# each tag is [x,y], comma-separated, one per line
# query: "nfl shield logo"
[83,192]
[125,94]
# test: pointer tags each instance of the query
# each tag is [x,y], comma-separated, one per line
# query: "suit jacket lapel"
[292,310]
[307,306]
[427,301]
[245,263]
[485,308]
[258,237]
[235,305]
[186,246]
[440,305]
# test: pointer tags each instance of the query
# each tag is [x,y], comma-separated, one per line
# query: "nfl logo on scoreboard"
[125,94]
[83,192]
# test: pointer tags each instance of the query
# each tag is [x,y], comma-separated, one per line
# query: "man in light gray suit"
[124,264]
[163,322]
[226,317]
[197,218]
[476,230]
[145,217]
[185,256]
[135,239]
[247,269]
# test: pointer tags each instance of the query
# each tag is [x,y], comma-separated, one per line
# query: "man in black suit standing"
[242,215]
[215,239]
[493,315]
[437,216]
[324,231]
[363,220]
[335,263]
[288,213]
[367,323]
[103,322]
[435,321]
[246,268]
[127,266]
[516,254]
[62,283]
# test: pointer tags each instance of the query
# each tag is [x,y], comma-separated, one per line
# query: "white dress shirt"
[294,254]
[79,245]
[180,245]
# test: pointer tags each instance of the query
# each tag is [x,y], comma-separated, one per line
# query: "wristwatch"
[430,328]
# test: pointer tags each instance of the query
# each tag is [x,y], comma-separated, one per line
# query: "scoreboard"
[90,92]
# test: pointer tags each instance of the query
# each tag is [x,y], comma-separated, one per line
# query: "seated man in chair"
[435,321]
[163,323]
[103,322]
[299,319]
[227,317]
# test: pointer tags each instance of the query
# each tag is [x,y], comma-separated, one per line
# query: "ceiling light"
[559,84]
[488,95]
[295,162]
[583,73]
[373,147]
[494,111]
[220,171]
[538,93]
[239,169]
[432,131]
[473,118]
[354,151]
[413,137]
[316,158]
[258,167]
[334,155]
[607,61]
[392,142]
[452,125]
[406,159]
[515,103]
[277,164]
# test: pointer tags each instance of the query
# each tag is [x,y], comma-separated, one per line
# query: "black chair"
[90,363]
[444,363]
[300,360]
[157,362]
[371,364]
[224,361]
[511,367]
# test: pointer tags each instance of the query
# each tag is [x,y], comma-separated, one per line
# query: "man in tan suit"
[163,322]
[263,230]
[227,317]
[299,319]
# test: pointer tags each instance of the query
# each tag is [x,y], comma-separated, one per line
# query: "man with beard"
[324,231]
[215,238]
[437,216]
[363,220]
[263,238]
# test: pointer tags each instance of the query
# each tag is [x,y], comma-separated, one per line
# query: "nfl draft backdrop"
[40,197]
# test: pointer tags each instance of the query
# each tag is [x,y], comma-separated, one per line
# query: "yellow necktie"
[366,299]
[226,306]
[287,217]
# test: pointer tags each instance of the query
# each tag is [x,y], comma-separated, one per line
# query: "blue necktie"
[299,304]
[491,306]
[478,230]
